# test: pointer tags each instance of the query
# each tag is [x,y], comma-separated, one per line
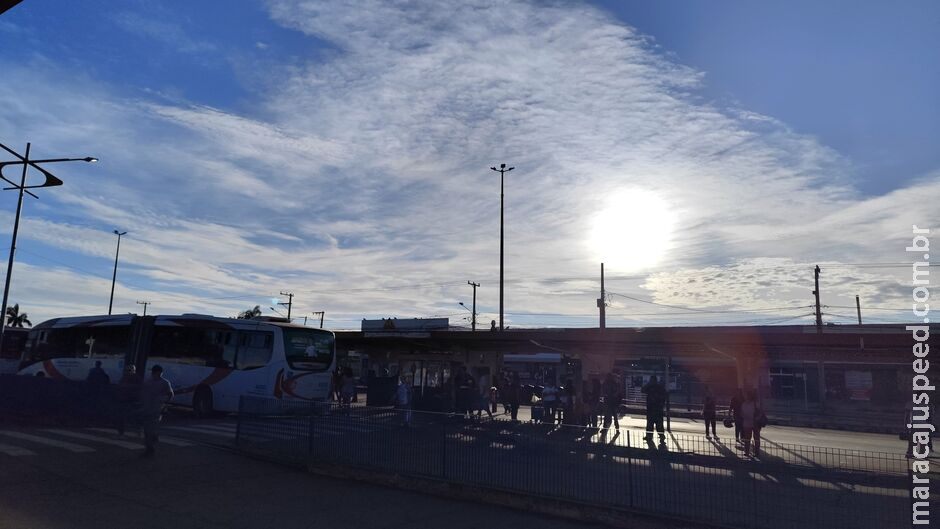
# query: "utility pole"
[114,277]
[473,320]
[602,302]
[818,310]
[502,172]
[322,314]
[858,307]
[144,303]
[290,301]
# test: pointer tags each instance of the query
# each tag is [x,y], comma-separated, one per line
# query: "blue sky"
[710,153]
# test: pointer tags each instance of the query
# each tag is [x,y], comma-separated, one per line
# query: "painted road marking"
[15,451]
[72,447]
[172,441]
[97,439]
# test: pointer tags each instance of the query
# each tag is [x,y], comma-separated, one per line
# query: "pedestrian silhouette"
[655,404]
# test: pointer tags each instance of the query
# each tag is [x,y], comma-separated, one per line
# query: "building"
[850,367]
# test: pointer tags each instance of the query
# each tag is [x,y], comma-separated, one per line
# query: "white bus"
[210,361]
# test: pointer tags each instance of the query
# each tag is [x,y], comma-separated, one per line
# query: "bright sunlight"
[633,231]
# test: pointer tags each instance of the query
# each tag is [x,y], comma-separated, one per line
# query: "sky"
[709,153]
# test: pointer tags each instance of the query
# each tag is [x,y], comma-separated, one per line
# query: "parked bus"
[14,340]
[210,361]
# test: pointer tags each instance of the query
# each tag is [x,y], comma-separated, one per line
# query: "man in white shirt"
[155,392]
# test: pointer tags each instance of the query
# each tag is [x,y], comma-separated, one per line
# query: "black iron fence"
[687,476]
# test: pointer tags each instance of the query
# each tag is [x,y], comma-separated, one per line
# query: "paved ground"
[89,477]
[780,434]
[80,478]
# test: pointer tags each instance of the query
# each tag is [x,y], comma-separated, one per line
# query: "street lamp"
[473,313]
[502,172]
[114,277]
[22,188]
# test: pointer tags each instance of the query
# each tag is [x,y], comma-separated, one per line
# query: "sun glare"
[633,231]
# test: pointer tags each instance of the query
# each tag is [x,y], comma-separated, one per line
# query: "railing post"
[630,466]
[238,421]
[444,449]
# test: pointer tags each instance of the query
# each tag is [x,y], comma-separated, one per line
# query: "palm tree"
[15,319]
[250,313]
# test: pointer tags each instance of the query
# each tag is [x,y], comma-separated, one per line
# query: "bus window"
[100,342]
[308,349]
[254,349]
[189,345]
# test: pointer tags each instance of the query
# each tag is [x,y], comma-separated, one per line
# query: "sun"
[634,231]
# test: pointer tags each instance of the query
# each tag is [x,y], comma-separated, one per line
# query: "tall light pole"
[51,181]
[114,277]
[473,323]
[502,172]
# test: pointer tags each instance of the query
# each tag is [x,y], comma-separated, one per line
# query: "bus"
[210,361]
[14,340]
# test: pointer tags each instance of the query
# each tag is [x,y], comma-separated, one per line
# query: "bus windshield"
[308,349]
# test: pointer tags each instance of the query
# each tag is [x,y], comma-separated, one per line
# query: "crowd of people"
[592,404]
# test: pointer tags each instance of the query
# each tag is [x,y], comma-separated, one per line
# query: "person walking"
[709,414]
[655,405]
[611,393]
[155,392]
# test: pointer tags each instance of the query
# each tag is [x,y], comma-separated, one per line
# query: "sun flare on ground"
[634,230]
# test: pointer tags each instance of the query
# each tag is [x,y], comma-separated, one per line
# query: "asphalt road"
[78,478]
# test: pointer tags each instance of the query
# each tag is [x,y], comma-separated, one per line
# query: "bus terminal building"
[846,368]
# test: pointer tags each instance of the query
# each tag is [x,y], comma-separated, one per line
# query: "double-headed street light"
[502,172]
[114,277]
[22,188]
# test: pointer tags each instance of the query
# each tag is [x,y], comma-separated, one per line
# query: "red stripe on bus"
[51,369]
[217,375]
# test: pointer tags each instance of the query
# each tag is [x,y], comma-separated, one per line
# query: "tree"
[250,313]
[16,319]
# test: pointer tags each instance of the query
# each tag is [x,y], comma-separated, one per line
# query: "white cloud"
[367,172]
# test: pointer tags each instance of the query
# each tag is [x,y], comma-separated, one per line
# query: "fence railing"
[688,477]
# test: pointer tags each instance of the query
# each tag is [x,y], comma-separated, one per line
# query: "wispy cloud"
[362,180]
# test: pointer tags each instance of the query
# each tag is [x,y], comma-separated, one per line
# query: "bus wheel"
[202,403]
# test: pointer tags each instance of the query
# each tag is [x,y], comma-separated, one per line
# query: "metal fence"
[688,477]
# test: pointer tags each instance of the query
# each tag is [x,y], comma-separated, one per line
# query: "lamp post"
[502,172]
[473,315]
[22,188]
[114,276]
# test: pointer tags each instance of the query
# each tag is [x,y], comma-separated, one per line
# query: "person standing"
[347,389]
[709,414]
[752,420]
[655,408]
[734,408]
[403,401]
[611,392]
[592,396]
[514,397]
[97,377]
[128,395]
[549,400]
[155,392]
